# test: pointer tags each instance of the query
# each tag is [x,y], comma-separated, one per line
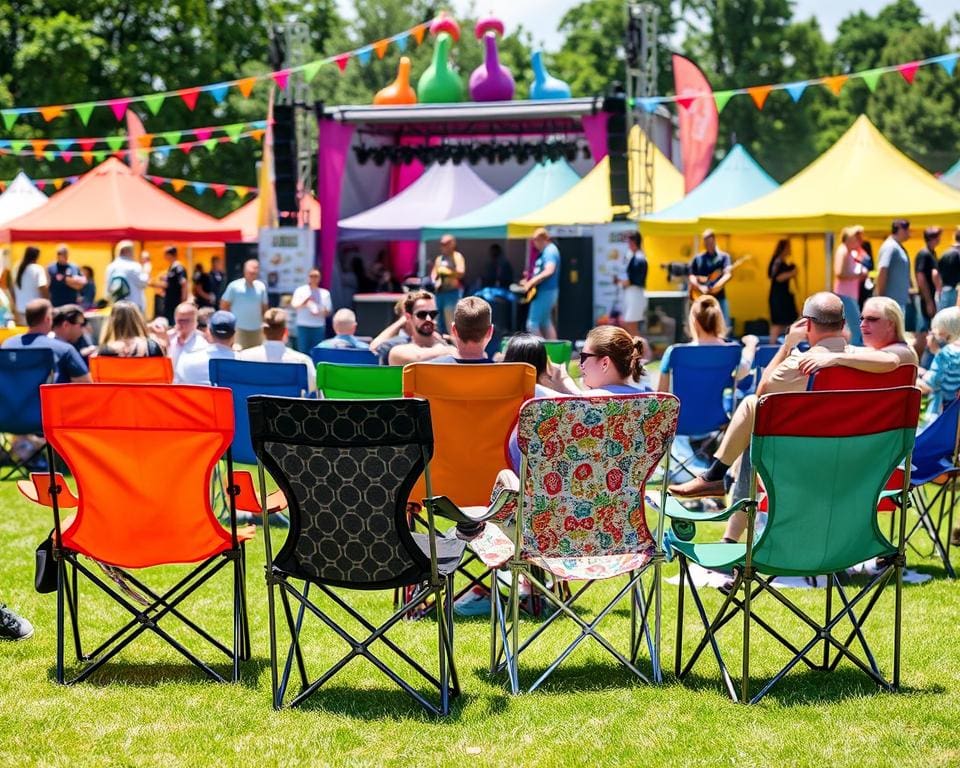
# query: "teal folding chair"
[824,458]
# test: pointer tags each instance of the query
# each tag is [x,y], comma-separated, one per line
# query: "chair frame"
[20,466]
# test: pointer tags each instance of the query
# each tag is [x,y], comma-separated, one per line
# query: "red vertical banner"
[138,146]
[699,120]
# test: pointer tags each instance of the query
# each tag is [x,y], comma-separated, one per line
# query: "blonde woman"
[125,334]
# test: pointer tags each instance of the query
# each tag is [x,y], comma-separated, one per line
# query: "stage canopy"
[862,179]
[589,201]
[738,179]
[950,176]
[443,192]
[543,183]
[247,217]
[111,203]
[20,197]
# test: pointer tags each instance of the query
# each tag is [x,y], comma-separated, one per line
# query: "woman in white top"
[848,274]
[312,304]
[30,282]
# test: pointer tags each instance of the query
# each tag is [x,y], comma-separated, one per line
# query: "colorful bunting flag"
[310,70]
[341,62]
[189,96]
[381,48]
[118,107]
[686,101]
[66,156]
[218,189]
[39,145]
[51,113]
[401,41]
[115,142]
[202,134]
[835,83]
[796,90]
[219,92]
[871,77]
[363,55]
[154,101]
[199,187]
[418,32]
[177,184]
[909,70]
[245,86]
[9,117]
[171,137]
[83,111]
[948,62]
[759,94]
[211,144]
[281,78]
[234,131]
[721,98]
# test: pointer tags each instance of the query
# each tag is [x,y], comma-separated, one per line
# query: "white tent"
[20,197]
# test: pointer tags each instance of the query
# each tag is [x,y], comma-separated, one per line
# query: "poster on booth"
[610,257]
[286,256]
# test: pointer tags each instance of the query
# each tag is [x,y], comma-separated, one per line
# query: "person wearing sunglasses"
[70,326]
[420,311]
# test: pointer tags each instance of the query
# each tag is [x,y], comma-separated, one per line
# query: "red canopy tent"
[110,202]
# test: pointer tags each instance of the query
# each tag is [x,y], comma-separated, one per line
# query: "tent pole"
[828,254]
[422,258]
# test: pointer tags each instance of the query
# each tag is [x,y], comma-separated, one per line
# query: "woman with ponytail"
[612,362]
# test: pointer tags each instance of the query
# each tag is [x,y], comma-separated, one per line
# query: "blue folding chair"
[761,359]
[22,371]
[246,378]
[343,356]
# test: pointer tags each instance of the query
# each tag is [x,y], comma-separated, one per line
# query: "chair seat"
[492,546]
[592,568]
[713,555]
[449,551]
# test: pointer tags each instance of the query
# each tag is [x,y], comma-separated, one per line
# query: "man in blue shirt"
[66,279]
[546,279]
[893,265]
[67,361]
[710,271]
[246,298]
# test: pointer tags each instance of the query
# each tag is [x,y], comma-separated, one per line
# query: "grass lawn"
[148,707]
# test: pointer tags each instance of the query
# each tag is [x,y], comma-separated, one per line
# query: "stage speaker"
[615,105]
[236,254]
[285,157]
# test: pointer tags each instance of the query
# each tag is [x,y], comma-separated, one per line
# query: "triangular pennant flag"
[199,187]
[115,142]
[171,137]
[119,107]
[363,55]
[909,70]
[57,183]
[342,61]
[63,143]
[233,131]
[211,144]
[155,179]
[72,179]
[17,146]
[310,70]
[381,48]
[796,90]
[87,144]
[177,184]
[186,146]
[87,157]
[41,184]
[202,134]
[239,191]
[835,83]
[4,143]
[401,41]
[649,104]
[257,135]
[163,151]
[10,117]
[281,78]
[99,155]
[49,155]
[245,86]
[218,189]
[38,146]
[51,113]
[949,62]
[759,94]
[145,141]
[154,101]
[189,96]
[218,91]
[418,32]
[686,101]
[66,156]
[83,112]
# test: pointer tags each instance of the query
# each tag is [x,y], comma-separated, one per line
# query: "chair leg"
[678,651]
[828,612]
[658,629]
[745,680]
[494,617]
[272,621]
[897,618]
[61,577]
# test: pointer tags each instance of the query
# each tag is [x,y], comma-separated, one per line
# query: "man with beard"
[420,311]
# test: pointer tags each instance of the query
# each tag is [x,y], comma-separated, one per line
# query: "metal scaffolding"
[641,59]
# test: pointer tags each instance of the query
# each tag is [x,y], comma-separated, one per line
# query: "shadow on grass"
[571,677]
[151,674]
[377,704]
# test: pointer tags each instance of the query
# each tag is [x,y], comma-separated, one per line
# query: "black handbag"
[45,575]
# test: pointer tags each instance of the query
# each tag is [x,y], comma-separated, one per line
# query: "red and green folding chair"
[824,458]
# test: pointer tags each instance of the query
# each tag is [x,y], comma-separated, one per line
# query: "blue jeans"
[851,312]
[446,303]
[308,338]
[540,316]
[948,297]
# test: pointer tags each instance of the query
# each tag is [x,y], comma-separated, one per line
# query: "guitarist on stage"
[710,271]
[546,280]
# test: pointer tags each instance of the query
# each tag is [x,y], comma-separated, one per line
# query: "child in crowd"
[942,381]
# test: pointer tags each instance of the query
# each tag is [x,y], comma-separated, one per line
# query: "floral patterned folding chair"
[581,518]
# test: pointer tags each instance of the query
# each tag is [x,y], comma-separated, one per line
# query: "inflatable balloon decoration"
[491,81]
[399,91]
[544,85]
[445,23]
[440,83]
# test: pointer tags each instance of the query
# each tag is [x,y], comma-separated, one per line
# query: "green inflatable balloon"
[439,84]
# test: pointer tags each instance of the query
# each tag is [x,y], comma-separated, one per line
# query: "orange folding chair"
[131,370]
[142,458]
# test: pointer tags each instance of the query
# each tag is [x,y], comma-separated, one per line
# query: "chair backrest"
[699,375]
[343,356]
[840,377]
[473,409]
[22,371]
[142,456]
[560,351]
[360,382]
[586,461]
[824,458]
[762,357]
[346,468]
[935,446]
[245,378]
[131,370]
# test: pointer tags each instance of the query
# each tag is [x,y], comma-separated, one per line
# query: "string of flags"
[217,91]
[834,83]
[177,185]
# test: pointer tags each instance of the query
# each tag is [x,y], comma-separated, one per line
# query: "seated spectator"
[344,326]
[552,379]
[274,348]
[125,334]
[67,361]
[158,329]
[942,381]
[472,330]
[420,310]
[194,367]
[185,336]
[70,325]
[398,332]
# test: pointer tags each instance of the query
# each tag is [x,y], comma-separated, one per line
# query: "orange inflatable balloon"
[399,91]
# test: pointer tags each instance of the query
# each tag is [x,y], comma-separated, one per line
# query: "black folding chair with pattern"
[346,468]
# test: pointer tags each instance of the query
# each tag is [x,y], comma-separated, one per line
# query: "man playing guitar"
[710,271]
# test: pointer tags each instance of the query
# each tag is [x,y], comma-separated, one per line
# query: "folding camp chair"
[585,463]
[763,356]
[824,458]
[131,370]
[343,356]
[359,382]
[346,468]
[840,378]
[559,351]
[22,371]
[142,456]
[699,376]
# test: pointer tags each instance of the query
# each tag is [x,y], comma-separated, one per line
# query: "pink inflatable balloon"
[488,24]
[444,23]
[491,81]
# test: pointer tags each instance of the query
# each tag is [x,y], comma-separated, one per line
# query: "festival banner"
[699,120]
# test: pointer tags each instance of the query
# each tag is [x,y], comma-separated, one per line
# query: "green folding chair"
[824,459]
[359,382]
[560,351]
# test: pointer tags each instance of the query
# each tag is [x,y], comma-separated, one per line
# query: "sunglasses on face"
[870,319]
[425,314]
[201,326]
[585,355]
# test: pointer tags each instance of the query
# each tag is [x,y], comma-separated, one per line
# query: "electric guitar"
[524,295]
[699,289]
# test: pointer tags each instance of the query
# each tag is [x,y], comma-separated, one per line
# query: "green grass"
[148,707]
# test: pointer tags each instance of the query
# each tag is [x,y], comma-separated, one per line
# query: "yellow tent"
[588,202]
[862,179]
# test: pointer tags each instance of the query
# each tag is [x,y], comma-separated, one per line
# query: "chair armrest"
[37,490]
[444,507]
[676,511]
[247,499]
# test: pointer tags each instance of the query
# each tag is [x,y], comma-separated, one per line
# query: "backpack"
[119,288]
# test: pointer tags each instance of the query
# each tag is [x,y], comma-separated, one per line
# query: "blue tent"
[737,180]
[952,175]
[541,185]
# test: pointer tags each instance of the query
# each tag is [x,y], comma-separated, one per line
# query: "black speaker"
[236,254]
[615,105]
[285,157]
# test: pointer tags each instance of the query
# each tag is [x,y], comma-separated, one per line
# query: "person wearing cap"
[246,298]
[126,279]
[546,279]
[65,279]
[711,270]
[948,268]
[274,348]
[194,367]
[893,265]
[175,285]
